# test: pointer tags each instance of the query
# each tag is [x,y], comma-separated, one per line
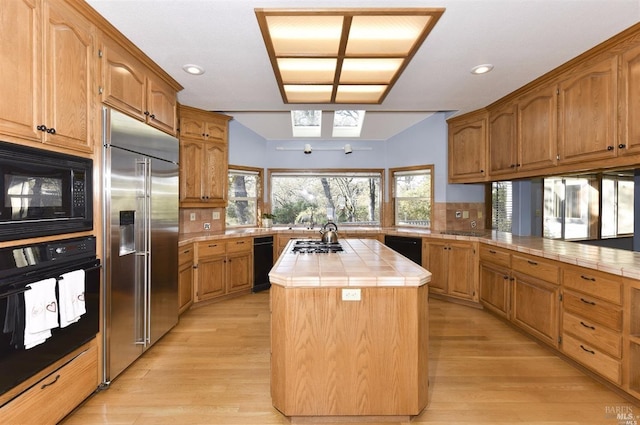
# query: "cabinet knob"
[41,127]
[146,113]
[609,148]
[152,116]
[622,146]
[51,130]
[512,166]
[482,171]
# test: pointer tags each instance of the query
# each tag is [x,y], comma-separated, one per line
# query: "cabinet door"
[588,113]
[438,266]
[630,103]
[461,271]
[211,278]
[21,72]
[538,129]
[191,168]
[494,289]
[467,150]
[216,173]
[502,140]
[69,74]
[239,269]
[185,286]
[161,106]
[123,80]
[535,307]
[192,127]
[216,131]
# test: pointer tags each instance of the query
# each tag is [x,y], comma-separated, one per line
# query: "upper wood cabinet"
[468,148]
[51,83]
[587,112]
[629,99]
[503,155]
[203,158]
[537,132]
[129,86]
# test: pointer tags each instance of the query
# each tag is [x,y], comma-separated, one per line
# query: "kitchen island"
[349,334]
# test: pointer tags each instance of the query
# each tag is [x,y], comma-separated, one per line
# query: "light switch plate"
[215,215]
[192,217]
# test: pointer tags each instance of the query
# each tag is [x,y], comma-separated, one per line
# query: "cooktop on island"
[315,246]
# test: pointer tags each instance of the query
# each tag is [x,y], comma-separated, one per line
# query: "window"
[299,197]
[244,196]
[588,206]
[501,206]
[412,195]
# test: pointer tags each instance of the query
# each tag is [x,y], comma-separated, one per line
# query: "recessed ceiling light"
[481,69]
[193,69]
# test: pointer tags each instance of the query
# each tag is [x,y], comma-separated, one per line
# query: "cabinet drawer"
[239,245]
[534,266]
[597,284]
[592,358]
[495,256]
[56,395]
[593,334]
[208,249]
[596,310]
[185,254]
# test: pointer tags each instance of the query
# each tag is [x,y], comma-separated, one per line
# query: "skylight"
[347,123]
[306,123]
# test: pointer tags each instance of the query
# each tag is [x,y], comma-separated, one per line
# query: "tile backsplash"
[467,216]
[193,220]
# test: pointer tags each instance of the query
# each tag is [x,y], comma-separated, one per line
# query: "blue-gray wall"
[423,143]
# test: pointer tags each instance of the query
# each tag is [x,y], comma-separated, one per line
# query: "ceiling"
[523,39]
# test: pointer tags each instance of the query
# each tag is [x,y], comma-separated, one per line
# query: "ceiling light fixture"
[193,69]
[481,69]
[342,55]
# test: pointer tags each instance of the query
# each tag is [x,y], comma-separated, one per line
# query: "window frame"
[259,193]
[337,172]
[392,191]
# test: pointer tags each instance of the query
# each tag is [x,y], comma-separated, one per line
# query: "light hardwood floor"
[213,368]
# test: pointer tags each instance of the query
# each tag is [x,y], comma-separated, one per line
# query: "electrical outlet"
[465,214]
[207,226]
[458,214]
[215,215]
[350,294]
[192,217]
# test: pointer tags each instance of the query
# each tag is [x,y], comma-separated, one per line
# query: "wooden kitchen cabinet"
[587,112]
[495,280]
[468,148]
[629,98]
[52,100]
[224,267]
[57,394]
[185,277]
[503,155]
[203,159]
[535,297]
[454,268]
[537,129]
[131,87]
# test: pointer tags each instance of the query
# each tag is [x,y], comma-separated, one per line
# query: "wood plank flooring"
[213,368]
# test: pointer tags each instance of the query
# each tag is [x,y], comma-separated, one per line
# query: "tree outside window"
[244,190]
[413,195]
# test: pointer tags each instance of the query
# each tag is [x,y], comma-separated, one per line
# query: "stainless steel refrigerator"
[140,197]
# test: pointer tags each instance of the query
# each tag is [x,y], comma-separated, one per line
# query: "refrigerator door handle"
[142,251]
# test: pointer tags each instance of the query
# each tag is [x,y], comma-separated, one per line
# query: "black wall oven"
[43,193]
[71,268]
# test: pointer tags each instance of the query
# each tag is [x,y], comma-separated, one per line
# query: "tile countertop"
[363,263]
[610,260]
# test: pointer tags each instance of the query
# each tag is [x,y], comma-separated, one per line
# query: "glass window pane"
[625,207]
[553,208]
[608,213]
[501,206]
[413,212]
[241,213]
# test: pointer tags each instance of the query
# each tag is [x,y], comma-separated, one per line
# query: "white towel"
[41,312]
[71,292]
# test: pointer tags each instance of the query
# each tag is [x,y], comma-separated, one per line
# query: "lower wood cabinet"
[535,307]
[224,267]
[453,266]
[57,394]
[185,278]
[495,282]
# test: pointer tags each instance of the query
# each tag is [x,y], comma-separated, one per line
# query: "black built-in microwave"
[43,192]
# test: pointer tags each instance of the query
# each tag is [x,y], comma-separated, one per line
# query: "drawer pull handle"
[587,302]
[592,279]
[533,263]
[50,383]
[587,350]
[213,245]
[505,277]
[587,326]
[491,251]
[186,251]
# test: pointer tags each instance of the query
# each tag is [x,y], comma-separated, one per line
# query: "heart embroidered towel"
[41,312]
[71,297]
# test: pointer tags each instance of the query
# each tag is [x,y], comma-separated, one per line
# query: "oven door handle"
[14,292]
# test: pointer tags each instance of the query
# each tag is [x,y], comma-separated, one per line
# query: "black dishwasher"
[409,247]
[262,262]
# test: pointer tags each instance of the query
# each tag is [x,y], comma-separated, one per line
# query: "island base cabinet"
[331,357]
